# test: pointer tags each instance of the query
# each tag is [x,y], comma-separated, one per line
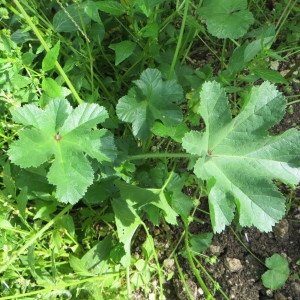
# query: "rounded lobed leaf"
[152,99]
[227,19]
[66,134]
[241,158]
[278,272]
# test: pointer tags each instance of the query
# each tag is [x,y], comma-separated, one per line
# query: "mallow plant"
[236,156]
[136,144]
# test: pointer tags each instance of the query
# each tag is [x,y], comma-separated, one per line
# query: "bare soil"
[239,267]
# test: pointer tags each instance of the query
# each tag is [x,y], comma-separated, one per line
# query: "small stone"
[269,293]
[279,296]
[169,264]
[281,231]
[215,250]
[295,289]
[152,296]
[233,264]
[274,65]
[297,216]
[200,292]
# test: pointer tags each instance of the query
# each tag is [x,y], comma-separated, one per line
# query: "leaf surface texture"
[240,159]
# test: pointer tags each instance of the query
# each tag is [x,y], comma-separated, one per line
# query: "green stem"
[33,239]
[178,46]
[181,275]
[292,70]
[160,155]
[223,54]
[46,47]
[64,285]
[216,285]
[196,272]
[293,102]
[288,8]
[128,283]
[160,274]
[244,245]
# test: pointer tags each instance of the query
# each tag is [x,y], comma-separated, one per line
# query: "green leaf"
[70,18]
[91,9]
[29,115]
[175,132]
[22,200]
[127,222]
[83,117]
[181,203]
[152,99]
[50,58]
[28,57]
[45,212]
[226,19]
[5,43]
[19,81]
[96,259]
[139,196]
[148,248]
[10,185]
[142,197]
[239,158]
[237,61]
[278,272]
[66,134]
[256,46]
[170,214]
[79,266]
[123,50]
[151,30]
[65,171]
[111,7]
[147,6]
[51,88]
[221,207]
[268,74]
[200,242]
[20,36]
[32,149]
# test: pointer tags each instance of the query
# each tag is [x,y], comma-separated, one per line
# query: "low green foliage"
[278,272]
[151,101]
[239,159]
[227,20]
[115,124]
[66,133]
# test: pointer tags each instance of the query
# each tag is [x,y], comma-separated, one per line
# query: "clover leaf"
[66,134]
[227,19]
[152,99]
[239,158]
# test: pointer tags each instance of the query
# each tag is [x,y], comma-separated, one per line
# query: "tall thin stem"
[178,46]
[35,237]
[46,47]
[196,272]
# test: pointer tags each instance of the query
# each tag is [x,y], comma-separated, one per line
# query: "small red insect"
[57,137]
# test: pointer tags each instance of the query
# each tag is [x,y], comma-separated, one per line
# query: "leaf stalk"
[160,155]
[196,272]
